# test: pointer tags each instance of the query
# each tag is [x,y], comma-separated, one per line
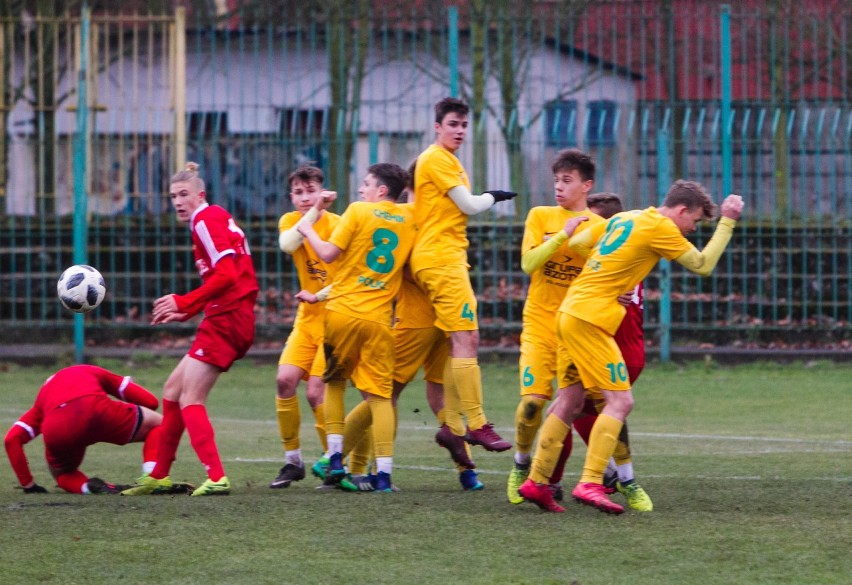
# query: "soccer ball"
[81,288]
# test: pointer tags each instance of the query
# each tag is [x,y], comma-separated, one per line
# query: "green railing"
[757,100]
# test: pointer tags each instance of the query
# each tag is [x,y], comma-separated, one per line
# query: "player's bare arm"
[326,251]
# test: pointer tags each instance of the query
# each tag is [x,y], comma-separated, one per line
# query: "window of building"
[560,120]
[600,130]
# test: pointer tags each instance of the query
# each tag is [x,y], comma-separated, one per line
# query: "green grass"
[749,469]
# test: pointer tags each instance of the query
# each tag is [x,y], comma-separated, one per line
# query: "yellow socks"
[452,402]
[319,425]
[289,421]
[602,441]
[550,440]
[335,408]
[468,380]
[383,425]
[527,422]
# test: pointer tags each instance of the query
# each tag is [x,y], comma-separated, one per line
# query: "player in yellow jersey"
[303,357]
[442,205]
[620,254]
[371,245]
[552,267]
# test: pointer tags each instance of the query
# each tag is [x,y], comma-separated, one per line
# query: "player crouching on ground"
[73,410]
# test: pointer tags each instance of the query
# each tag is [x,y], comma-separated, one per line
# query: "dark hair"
[411,168]
[391,176]
[572,159]
[189,174]
[447,105]
[605,204]
[693,196]
[306,174]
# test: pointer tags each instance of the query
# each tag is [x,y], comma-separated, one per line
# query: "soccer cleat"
[540,495]
[470,482]
[455,445]
[557,491]
[592,494]
[147,485]
[637,498]
[488,438]
[98,486]
[320,468]
[610,479]
[383,482]
[364,482]
[517,476]
[213,488]
[288,474]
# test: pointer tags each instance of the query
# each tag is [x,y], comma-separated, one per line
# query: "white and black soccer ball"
[81,288]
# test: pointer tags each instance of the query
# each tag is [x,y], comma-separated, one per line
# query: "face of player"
[687,220]
[185,199]
[371,191]
[571,190]
[304,194]
[451,131]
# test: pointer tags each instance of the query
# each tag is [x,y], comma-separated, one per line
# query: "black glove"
[502,195]
[35,489]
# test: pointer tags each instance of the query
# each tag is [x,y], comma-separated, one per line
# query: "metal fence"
[99,110]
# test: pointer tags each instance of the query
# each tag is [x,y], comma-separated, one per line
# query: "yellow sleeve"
[535,258]
[703,262]
[585,241]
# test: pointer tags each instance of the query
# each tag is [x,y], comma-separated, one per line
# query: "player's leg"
[373,375]
[537,368]
[602,369]
[149,434]
[455,307]
[289,416]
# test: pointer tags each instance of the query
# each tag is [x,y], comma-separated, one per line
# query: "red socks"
[202,438]
[170,434]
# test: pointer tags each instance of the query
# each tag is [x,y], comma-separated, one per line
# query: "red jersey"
[64,386]
[630,336]
[216,236]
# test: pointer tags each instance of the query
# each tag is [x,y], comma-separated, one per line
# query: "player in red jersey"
[227,297]
[73,410]
[630,338]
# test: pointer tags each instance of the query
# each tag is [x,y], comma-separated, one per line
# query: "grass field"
[750,470]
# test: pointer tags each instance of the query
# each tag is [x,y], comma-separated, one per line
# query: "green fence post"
[81,141]
[453,49]
[725,134]
[663,181]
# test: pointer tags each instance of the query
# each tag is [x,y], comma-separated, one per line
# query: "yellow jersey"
[442,236]
[549,283]
[376,240]
[626,249]
[313,273]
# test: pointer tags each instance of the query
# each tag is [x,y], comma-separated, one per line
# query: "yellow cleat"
[214,488]
[517,477]
[637,498]
[147,485]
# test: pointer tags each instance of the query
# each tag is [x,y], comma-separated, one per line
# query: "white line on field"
[678,436]
[503,472]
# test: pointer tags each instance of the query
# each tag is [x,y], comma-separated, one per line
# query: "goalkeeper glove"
[35,489]
[502,195]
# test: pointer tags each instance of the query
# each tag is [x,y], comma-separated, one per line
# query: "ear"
[202,194]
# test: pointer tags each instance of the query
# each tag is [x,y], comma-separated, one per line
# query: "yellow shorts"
[428,347]
[452,297]
[537,366]
[361,351]
[592,353]
[304,350]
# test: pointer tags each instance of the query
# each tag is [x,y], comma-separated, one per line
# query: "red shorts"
[224,338]
[84,421]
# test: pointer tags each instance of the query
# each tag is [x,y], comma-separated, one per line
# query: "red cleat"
[455,445]
[592,494]
[488,438]
[541,495]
